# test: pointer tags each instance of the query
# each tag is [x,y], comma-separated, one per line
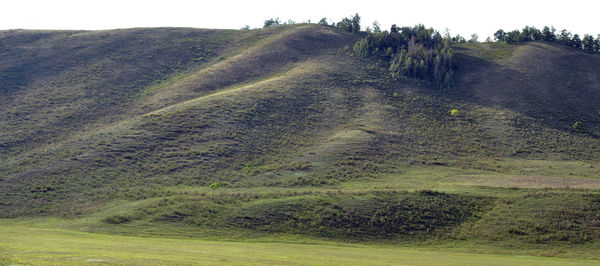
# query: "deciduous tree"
[474,38]
[271,22]
[500,35]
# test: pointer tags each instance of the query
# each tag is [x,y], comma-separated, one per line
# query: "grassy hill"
[235,134]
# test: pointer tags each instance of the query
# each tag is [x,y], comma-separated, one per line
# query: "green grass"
[495,51]
[31,245]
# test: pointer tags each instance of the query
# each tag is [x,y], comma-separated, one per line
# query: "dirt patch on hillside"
[528,181]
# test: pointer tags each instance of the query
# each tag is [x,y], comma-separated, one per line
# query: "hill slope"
[280,118]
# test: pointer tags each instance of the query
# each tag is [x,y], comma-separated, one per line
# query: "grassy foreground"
[26,245]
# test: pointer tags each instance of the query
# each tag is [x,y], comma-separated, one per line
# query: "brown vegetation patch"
[528,181]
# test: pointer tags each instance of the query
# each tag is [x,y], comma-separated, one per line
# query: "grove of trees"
[351,24]
[272,22]
[527,34]
[412,52]
[422,53]
[549,34]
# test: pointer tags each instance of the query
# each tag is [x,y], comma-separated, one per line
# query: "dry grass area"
[550,83]
[526,181]
[287,106]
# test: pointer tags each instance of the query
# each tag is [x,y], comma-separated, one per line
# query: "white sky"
[459,16]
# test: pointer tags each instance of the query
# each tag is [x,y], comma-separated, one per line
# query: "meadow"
[24,243]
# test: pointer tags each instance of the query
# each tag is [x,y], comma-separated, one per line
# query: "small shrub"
[454,112]
[395,95]
[298,166]
[117,219]
[249,168]
[215,185]
[578,126]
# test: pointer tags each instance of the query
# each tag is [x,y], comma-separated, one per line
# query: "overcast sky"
[459,16]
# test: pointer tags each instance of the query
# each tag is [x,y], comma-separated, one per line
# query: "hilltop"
[282,129]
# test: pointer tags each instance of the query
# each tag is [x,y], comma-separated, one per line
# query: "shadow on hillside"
[556,101]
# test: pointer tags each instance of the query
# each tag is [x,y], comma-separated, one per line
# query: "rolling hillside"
[293,134]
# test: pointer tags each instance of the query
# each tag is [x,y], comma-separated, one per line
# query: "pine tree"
[589,44]
[356,23]
[548,34]
[565,37]
[376,27]
[323,21]
[576,41]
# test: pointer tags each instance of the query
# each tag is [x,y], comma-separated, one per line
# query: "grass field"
[28,245]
